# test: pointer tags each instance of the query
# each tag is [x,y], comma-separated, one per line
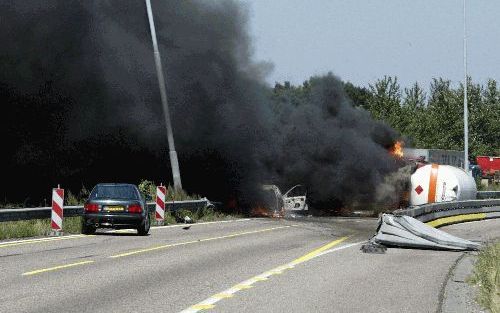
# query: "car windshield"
[114,192]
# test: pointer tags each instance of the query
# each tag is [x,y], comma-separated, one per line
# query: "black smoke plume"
[80,105]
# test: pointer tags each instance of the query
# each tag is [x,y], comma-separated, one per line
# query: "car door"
[295,199]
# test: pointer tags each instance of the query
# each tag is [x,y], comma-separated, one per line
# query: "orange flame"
[397,149]
[261,211]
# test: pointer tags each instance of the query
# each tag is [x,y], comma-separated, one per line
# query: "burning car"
[277,204]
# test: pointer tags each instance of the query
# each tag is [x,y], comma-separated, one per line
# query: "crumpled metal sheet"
[405,231]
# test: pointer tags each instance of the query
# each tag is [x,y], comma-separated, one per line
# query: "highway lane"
[275,266]
[347,280]
[168,271]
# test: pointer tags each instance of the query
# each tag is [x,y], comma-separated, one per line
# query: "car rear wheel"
[87,229]
[143,230]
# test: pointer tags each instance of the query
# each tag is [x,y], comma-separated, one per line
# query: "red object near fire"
[489,165]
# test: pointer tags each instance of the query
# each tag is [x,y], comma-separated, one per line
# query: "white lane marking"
[339,248]
[4,243]
[10,242]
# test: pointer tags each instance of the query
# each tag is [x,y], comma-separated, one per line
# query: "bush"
[9,205]
[148,189]
[78,199]
[179,194]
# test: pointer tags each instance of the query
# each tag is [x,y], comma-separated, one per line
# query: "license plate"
[114,208]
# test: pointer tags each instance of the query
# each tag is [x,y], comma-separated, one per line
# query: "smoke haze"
[80,105]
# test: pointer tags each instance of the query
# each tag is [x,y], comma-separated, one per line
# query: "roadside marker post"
[161,191]
[56,220]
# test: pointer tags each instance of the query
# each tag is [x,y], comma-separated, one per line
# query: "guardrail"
[488,194]
[7,215]
[434,211]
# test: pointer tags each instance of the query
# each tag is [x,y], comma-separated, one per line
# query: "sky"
[362,40]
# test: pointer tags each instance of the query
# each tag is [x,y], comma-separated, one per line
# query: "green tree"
[429,120]
[414,114]
[478,118]
[385,101]
[360,96]
[491,108]
[444,118]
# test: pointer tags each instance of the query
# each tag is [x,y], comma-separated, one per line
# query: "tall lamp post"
[174,163]
[466,110]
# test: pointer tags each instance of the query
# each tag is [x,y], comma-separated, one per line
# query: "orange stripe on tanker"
[431,198]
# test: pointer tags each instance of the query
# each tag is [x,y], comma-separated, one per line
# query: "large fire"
[397,149]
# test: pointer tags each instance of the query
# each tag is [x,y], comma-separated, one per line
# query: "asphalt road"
[254,265]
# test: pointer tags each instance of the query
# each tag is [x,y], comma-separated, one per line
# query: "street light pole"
[466,110]
[174,163]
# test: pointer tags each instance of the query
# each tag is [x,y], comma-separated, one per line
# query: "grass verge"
[487,276]
[36,228]
[72,225]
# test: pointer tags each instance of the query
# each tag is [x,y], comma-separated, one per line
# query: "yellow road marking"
[48,239]
[315,253]
[40,240]
[56,268]
[247,284]
[456,219]
[203,306]
[179,225]
[261,278]
[196,241]
[240,286]
[223,295]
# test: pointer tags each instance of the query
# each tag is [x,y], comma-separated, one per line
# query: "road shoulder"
[458,296]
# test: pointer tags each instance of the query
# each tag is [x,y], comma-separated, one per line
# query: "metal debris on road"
[408,232]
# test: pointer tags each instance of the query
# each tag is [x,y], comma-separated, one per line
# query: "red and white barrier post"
[57,210]
[161,191]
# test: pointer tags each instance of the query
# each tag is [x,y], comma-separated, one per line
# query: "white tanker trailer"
[438,183]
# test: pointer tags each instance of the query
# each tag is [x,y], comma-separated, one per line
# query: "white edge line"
[42,239]
[339,248]
[111,231]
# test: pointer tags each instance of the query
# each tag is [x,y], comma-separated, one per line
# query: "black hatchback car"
[115,206]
